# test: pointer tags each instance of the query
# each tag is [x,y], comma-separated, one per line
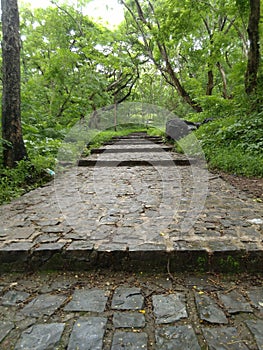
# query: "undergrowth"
[233,144]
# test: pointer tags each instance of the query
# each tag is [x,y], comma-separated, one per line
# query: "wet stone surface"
[128,320]
[41,337]
[131,311]
[104,216]
[127,299]
[256,328]
[209,310]
[169,308]
[225,337]
[129,341]
[87,333]
[93,300]
[176,337]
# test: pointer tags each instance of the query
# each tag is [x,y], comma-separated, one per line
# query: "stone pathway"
[130,311]
[126,221]
[133,211]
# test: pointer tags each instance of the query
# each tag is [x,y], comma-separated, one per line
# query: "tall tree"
[14,149]
[254,52]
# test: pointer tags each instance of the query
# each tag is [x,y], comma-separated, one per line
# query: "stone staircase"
[133,205]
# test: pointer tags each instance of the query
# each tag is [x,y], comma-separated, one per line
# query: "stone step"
[131,150]
[132,163]
[135,142]
[134,138]
[83,256]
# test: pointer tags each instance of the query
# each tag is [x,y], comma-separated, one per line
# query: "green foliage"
[233,144]
[26,176]
[72,66]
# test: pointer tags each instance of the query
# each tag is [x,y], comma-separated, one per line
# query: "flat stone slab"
[45,304]
[224,338]
[129,341]
[109,328]
[234,302]
[128,320]
[208,310]
[169,308]
[88,333]
[41,337]
[5,328]
[256,296]
[176,337]
[131,150]
[14,297]
[127,299]
[132,163]
[256,328]
[93,300]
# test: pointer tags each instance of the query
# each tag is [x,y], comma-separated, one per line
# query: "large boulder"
[178,128]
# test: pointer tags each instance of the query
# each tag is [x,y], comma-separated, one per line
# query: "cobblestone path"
[127,230]
[161,209]
[93,311]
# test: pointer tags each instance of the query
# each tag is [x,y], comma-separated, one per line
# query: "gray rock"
[227,338]
[176,337]
[45,304]
[169,308]
[5,328]
[129,341]
[256,328]
[208,309]
[41,337]
[87,334]
[14,297]
[127,299]
[234,302]
[256,296]
[128,320]
[93,300]
[176,129]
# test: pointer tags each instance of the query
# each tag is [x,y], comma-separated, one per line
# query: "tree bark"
[254,52]
[14,148]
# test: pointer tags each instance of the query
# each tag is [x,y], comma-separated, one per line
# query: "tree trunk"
[254,53]
[14,149]
[210,83]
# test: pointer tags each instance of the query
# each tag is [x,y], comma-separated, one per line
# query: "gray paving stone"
[234,302]
[127,299]
[87,334]
[14,297]
[45,304]
[256,328]
[41,337]
[5,328]
[176,337]
[128,320]
[129,341]
[256,297]
[93,300]
[169,308]
[208,309]
[221,338]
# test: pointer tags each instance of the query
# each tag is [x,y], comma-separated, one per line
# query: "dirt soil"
[252,186]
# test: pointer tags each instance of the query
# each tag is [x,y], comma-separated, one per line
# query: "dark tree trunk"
[254,53]
[14,149]
[210,83]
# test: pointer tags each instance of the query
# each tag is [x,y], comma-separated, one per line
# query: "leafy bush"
[233,144]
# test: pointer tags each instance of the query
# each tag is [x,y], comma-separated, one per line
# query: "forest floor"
[252,186]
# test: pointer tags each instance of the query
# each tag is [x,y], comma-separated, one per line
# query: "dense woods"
[197,59]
